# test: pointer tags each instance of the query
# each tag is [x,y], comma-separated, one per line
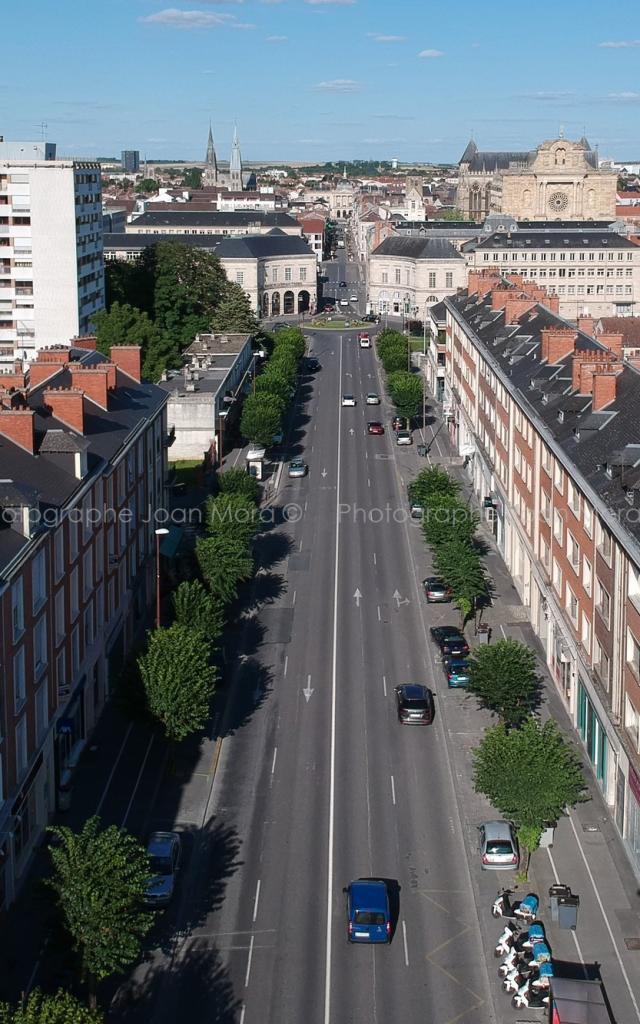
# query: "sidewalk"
[587,853]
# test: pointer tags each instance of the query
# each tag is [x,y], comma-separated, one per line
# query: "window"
[573,551]
[586,575]
[239,276]
[21,747]
[587,520]
[303,273]
[38,580]
[558,476]
[287,273]
[17,609]
[87,572]
[633,654]
[557,577]
[385,277]
[61,671]
[448,279]
[19,680]
[42,710]
[432,279]
[274,274]
[558,526]
[397,275]
[58,547]
[603,601]
[604,543]
[601,663]
[73,589]
[40,647]
[89,630]
[572,606]
[586,633]
[73,539]
[544,552]
[546,459]
[75,651]
[631,721]
[573,497]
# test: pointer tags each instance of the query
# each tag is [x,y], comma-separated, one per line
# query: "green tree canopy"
[447,517]
[195,608]
[125,325]
[192,177]
[146,185]
[235,514]
[291,339]
[189,284]
[99,877]
[504,678]
[178,680]
[461,568]
[393,350]
[406,392]
[529,774]
[132,283]
[430,482]
[261,418]
[233,313]
[59,1008]
[237,481]
[225,562]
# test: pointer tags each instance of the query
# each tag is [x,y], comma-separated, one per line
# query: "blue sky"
[319,80]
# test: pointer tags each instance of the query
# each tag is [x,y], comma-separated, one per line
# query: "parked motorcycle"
[506,940]
[528,908]
[511,937]
[534,992]
[523,910]
[519,976]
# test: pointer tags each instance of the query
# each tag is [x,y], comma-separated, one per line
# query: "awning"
[171,542]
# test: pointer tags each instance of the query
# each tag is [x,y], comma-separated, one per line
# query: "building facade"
[84,466]
[51,262]
[545,416]
[593,273]
[130,161]
[408,275]
[560,180]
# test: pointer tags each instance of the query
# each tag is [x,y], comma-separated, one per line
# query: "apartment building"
[51,264]
[593,273]
[546,418]
[83,448]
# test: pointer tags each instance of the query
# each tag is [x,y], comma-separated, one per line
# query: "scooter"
[534,934]
[535,992]
[528,908]
[506,941]
[539,953]
[524,910]
[502,906]
[520,975]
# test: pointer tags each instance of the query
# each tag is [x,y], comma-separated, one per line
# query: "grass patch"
[337,325]
[186,471]
[416,342]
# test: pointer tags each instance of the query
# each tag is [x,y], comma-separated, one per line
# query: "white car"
[353,298]
[404,437]
[373,398]
[348,400]
[343,302]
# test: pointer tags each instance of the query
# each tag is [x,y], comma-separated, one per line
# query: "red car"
[375,428]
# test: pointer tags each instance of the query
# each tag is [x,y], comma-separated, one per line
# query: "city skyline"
[344,80]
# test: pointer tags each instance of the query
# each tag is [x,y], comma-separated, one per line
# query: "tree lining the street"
[178,679]
[196,608]
[234,313]
[504,677]
[406,391]
[99,878]
[44,1008]
[263,411]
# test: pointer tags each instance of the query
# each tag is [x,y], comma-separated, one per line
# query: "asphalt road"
[317,782]
[343,269]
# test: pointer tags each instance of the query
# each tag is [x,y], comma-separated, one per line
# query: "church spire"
[210,175]
[235,164]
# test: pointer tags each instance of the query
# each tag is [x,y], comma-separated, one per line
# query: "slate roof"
[550,240]
[411,247]
[627,326]
[214,218]
[245,246]
[497,161]
[588,442]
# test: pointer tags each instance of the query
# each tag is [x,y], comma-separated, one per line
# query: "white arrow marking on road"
[308,691]
[324,473]
[399,600]
[352,431]
[357,596]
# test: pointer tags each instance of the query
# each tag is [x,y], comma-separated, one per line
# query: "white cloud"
[548,96]
[624,97]
[242,26]
[187,19]
[385,39]
[312,142]
[622,44]
[431,53]
[338,3]
[338,85]
[272,3]
[277,39]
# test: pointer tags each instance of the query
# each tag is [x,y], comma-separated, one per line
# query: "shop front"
[593,735]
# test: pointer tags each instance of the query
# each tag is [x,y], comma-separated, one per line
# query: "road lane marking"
[300,548]
[135,788]
[379,615]
[573,934]
[286,663]
[293,599]
[113,770]
[334,690]
[273,763]
[374,558]
[393,791]
[255,904]
[384,685]
[368,482]
[305,506]
[503,632]
[242,1009]
[404,940]
[246,977]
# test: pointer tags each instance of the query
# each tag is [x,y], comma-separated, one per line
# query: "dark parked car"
[375,428]
[368,914]
[343,284]
[312,365]
[450,641]
[436,590]
[415,704]
[457,672]
[163,850]
[370,318]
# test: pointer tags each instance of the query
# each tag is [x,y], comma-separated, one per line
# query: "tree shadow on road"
[272,547]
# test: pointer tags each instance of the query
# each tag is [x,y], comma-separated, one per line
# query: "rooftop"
[417,248]
[550,240]
[244,247]
[203,218]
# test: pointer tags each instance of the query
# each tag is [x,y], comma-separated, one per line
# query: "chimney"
[556,343]
[38,372]
[17,426]
[127,359]
[604,390]
[587,325]
[110,370]
[55,354]
[482,281]
[499,297]
[17,379]
[88,341]
[515,308]
[92,380]
[67,405]
[613,342]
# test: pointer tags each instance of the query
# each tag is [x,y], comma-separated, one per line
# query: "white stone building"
[51,262]
[409,275]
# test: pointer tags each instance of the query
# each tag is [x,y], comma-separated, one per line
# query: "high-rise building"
[51,261]
[130,160]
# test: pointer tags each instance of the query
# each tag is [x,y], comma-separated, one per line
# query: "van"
[364,340]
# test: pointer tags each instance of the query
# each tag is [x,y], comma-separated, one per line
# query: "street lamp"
[161,531]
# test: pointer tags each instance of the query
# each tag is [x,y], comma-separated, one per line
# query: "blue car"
[457,670]
[368,917]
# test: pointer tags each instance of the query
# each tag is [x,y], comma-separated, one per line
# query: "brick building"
[83,455]
[546,418]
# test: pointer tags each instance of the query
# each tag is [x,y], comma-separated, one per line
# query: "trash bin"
[556,893]
[422,450]
[483,633]
[568,912]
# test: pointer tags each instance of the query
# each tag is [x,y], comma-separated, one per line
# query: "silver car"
[348,400]
[498,846]
[297,468]
[404,437]
[373,398]
[164,851]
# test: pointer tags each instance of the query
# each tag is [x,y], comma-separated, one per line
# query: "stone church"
[235,179]
[560,180]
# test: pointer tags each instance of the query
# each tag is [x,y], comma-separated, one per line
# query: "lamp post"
[160,532]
